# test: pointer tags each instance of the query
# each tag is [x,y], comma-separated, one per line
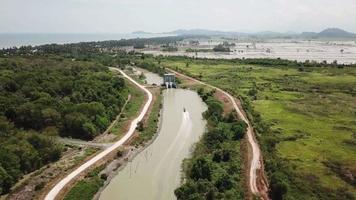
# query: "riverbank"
[69,179]
[92,185]
[156,171]
[255,180]
[228,108]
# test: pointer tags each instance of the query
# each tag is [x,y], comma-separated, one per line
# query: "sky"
[125,16]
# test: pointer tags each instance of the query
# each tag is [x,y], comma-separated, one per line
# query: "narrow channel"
[155,173]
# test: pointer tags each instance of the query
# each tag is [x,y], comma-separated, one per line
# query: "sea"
[8,40]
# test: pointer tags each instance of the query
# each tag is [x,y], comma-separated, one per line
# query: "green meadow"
[304,116]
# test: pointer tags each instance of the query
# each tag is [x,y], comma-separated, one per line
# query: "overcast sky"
[123,16]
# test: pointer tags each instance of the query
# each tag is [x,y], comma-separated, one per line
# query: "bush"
[103,176]
[140,126]
[201,169]
[39,186]
[279,186]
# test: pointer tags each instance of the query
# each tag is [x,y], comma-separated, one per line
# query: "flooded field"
[342,51]
[155,173]
[152,78]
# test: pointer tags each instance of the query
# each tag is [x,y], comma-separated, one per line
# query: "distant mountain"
[140,32]
[327,33]
[335,32]
[203,32]
[330,33]
[309,34]
[207,32]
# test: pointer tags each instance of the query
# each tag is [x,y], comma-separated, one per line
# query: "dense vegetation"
[214,171]
[43,96]
[198,50]
[61,90]
[93,48]
[150,66]
[221,48]
[75,99]
[304,116]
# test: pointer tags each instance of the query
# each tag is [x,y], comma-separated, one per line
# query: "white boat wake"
[183,130]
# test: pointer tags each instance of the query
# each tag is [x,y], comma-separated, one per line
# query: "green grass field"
[131,110]
[151,126]
[88,187]
[308,117]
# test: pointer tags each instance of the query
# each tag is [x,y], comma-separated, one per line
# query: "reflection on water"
[156,172]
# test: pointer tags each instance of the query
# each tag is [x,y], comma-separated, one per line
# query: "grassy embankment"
[90,185]
[131,110]
[304,117]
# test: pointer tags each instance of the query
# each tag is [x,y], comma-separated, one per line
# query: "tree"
[73,125]
[185,191]
[279,186]
[50,116]
[223,155]
[214,137]
[89,129]
[239,129]
[140,126]
[215,108]
[201,169]
[5,127]
[5,181]
[224,182]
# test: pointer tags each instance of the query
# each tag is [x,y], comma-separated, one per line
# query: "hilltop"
[330,33]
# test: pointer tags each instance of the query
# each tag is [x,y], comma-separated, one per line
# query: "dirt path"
[60,185]
[257,183]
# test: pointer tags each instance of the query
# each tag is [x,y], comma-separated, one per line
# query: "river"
[155,173]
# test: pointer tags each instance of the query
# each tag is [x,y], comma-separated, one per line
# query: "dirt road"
[255,165]
[60,185]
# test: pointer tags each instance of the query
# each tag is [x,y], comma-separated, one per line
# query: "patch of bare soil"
[262,182]
[228,106]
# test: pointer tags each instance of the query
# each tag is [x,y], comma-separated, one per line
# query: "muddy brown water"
[155,173]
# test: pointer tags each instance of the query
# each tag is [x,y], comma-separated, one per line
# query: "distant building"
[169,80]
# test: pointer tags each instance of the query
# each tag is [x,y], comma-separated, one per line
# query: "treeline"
[221,48]
[214,171]
[268,62]
[84,48]
[137,42]
[150,66]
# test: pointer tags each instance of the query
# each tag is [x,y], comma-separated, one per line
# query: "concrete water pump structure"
[169,81]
